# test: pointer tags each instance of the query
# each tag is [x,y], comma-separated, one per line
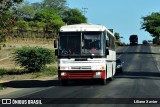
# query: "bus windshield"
[81,44]
[92,43]
[70,44]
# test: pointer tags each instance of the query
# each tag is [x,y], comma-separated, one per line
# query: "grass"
[8,47]
[19,42]
[1,87]
[10,71]
[47,71]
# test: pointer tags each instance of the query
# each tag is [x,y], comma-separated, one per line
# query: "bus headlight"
[98,67]
[63,74]
[98,73]
[63,68]
[118,66]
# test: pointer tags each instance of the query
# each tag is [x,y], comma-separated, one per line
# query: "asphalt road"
[140,79]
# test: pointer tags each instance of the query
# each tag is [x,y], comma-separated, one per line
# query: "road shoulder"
[156,55]
[29,86]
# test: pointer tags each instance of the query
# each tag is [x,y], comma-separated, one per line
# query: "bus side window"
[107,40]
[111,42]
[107,43]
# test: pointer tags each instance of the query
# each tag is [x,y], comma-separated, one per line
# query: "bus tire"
[103,81]
[110,79]
[121,71]
[64,82]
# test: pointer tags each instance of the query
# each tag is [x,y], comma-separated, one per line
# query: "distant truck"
[133,40]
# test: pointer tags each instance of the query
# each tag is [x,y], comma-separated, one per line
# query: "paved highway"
[141,79]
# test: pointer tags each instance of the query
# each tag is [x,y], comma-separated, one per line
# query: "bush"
[1,87]
[33,58]
[2,37]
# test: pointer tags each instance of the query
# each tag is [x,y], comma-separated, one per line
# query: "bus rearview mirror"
[55,43]
[107,43]
[107,52]
[56,52]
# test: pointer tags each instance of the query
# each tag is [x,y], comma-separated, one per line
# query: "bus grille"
[81,67]
[80,75]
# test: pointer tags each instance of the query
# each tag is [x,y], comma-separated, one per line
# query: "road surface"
[141,79]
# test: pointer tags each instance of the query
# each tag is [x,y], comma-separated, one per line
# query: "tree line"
[151,24]
[46,16]
[50,15]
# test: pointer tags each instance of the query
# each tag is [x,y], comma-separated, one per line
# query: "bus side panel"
[109,69]
[114,62]
[109,64]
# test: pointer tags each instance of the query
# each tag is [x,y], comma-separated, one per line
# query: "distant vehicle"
[145,42]
[119,65]
[150,41]
[85,51]
[133,40]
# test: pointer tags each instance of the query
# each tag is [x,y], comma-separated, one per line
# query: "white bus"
[85,51]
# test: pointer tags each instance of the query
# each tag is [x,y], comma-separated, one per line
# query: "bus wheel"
[121,71]
[103,81]
[64,82]
[110,79]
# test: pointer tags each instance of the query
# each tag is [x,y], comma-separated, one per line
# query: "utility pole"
[84,10]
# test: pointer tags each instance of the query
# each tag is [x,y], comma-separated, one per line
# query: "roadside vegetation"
[47,71]
[28,30]
[151,24]
[1,87]
[23,24]
[33,59]
[118,41]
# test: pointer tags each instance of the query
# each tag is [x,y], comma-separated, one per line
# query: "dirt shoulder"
[29,81]
[19,83]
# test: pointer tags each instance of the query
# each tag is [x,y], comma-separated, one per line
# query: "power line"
[84,10]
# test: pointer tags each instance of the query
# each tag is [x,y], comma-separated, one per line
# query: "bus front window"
[81,44]
[70,44]
[92,43]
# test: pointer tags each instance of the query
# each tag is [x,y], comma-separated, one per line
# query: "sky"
[123,16]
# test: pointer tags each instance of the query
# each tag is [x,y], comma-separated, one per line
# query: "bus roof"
[84,27]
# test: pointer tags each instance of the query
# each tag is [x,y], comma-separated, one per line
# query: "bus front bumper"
[82,74]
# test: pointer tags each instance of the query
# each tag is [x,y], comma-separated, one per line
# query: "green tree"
[117,36]
[33,58]
[74,16]
[58,5]
[54,3]
[27,9]
[118,39]
[37,6]
[22,25]
[7,18]
[51,20]
[151,24]
[36,25]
